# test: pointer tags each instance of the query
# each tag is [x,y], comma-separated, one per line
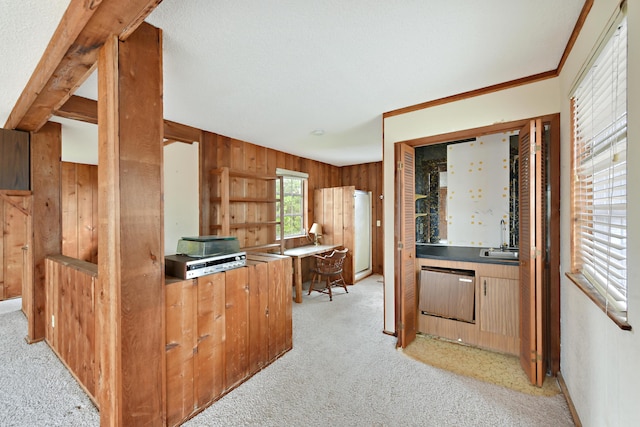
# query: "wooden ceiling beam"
[71,55]
[86,110]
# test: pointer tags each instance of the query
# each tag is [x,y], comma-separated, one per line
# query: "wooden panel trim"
[79,108]
[8,199]
[16,192]
[509,84]
[71,55]
[466,133]
[574,35]
[82,266]
[587,288]
[567,396]
[108,299]
[72,23]
[473,93]
[86,110]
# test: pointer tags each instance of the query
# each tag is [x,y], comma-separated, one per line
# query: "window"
[294,199]
[599,193]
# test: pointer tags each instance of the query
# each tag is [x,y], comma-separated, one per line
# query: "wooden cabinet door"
[499,313]
[181,340]
[14,244]
[531,245]
[405,240]
[14,160]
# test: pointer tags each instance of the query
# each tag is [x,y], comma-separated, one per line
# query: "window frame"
[598,290]
[303,178]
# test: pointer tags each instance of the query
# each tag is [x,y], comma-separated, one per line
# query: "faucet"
[503,232]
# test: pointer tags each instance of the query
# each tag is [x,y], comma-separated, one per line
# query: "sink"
[510,253]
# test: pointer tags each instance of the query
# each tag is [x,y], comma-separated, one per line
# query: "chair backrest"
[331,264]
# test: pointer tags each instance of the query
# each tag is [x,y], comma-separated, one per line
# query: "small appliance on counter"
[203,255]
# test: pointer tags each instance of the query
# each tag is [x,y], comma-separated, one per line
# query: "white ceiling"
[271,72]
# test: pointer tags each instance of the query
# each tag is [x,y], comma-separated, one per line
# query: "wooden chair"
[329,269]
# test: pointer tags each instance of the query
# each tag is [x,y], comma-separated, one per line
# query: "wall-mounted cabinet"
[244,205]
[14,160]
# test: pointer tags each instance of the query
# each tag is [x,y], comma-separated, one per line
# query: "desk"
[301,252]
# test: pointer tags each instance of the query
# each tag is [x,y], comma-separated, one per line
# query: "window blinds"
[600,172]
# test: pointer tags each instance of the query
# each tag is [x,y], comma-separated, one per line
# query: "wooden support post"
[130,297]
[46,150]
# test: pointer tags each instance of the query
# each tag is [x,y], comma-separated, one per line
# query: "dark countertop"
[458,253]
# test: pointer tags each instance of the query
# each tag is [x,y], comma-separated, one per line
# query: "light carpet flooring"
[342,371]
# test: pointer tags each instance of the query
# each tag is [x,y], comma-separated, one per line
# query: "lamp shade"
[316,229]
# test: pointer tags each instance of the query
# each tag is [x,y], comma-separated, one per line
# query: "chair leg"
[344,285]
[313,278]
[329,288]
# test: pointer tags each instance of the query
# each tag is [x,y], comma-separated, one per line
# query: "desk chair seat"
[328,268]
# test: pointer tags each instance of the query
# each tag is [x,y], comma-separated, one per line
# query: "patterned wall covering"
[514,183]
[465,188]
[431,206]
[478,200]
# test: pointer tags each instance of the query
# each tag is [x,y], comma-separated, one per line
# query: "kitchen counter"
[458,253]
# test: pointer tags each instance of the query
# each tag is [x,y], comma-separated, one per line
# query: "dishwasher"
[446,292]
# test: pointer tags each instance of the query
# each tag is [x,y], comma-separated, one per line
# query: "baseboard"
[567,396]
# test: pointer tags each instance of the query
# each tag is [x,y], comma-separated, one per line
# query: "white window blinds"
[600,172]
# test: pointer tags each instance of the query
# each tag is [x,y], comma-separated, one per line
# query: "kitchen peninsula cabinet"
[222,329]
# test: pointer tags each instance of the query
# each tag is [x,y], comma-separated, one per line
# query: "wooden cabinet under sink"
[496,313]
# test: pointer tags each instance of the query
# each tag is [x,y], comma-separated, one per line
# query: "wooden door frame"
[553,324]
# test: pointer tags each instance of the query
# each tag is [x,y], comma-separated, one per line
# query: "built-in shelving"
[242,201]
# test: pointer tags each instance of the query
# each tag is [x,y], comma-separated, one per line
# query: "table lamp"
[316,230]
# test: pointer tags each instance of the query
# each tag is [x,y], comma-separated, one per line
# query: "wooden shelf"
[225,197]
[261,247]
[249,224]
[246,200]
[247,175]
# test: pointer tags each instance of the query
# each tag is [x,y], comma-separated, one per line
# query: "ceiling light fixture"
[318,132]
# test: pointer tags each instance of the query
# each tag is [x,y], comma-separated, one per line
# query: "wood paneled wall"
[70,314]
[368,177]
[79,193]
[217,151]
[335,209]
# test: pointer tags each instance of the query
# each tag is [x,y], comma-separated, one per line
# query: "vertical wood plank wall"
[335,210]
[79,193]
[70,313]
[368,177]
[217,151]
